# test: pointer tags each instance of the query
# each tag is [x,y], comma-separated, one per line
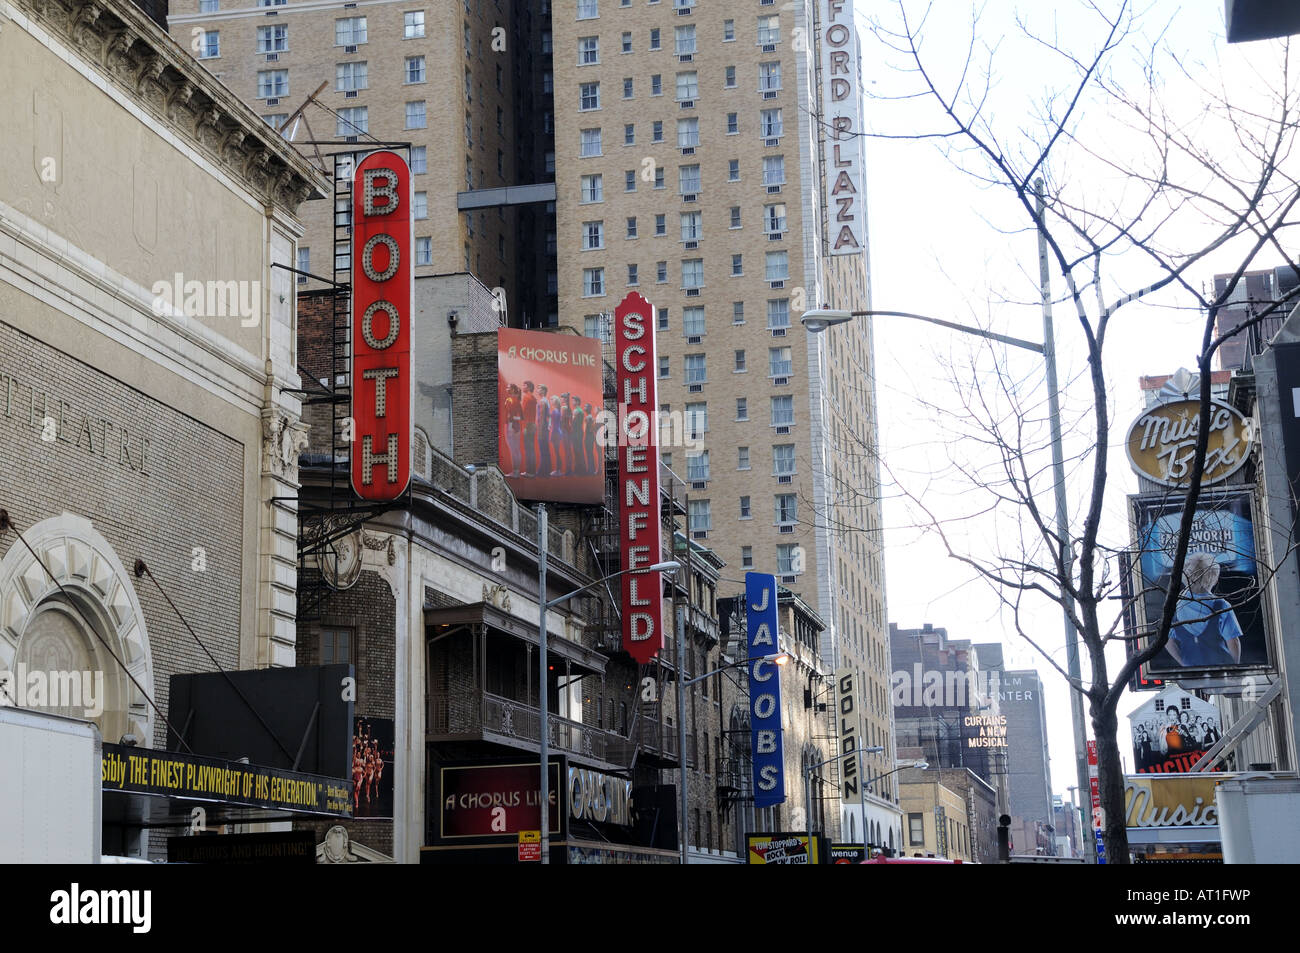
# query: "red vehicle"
[909,860]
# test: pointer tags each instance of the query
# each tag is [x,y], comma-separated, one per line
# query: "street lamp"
[807,786]
[777,658]
[819,319]
[543,606]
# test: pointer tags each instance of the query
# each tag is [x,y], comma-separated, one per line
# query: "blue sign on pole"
[762,629]
[1101,847]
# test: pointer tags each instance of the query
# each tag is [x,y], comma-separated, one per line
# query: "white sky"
[939,246]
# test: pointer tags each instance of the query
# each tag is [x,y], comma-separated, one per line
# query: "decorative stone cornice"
[137,56]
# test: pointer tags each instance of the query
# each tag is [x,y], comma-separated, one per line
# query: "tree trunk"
[1110,780]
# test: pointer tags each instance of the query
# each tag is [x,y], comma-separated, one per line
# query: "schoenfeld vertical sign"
[382,383]
[764,689]
[638,476]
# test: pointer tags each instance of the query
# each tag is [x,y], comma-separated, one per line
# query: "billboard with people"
[550,416]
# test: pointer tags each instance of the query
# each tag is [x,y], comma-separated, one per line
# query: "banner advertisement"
[496,800]
[1172,731]
[639,529]
[762,630]
[136,770]
[383,386]
[551,409]
[372,767]
[783,849]
[1219,622]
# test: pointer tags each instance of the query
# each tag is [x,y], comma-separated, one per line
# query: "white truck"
[50,796]
[1257,819]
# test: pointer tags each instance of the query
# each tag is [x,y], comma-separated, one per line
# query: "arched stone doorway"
[83,620]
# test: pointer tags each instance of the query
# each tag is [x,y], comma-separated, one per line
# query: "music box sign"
[1162,441]
[382,279]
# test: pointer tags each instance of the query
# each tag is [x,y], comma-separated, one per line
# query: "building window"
[593,188]
[353,121]
[688,133]
[590,143]
[783,410]
[661,276]
[728,31]
[304,261]
[589,96]
[735,216]
[742,408]
[786,562]
[629,134]
[779,362]
[733,124]
[627,88]
[696,421]
[420,205]
[697,464]
[696,372]
[778,266]
[656,85]
[588,50]
[662,314]
[654,39]
[593,235]
[688,180]
[693,273]
[770,124]
[415,69]
[737,312]
[737,265]
[419,160]
[733,170]
[746,511]
[209,6]
[769,31]
[691,226]
[778,313]
[595,326]
[729,78]
[742,458]
[661,224]
[657,131]
[350,31]
[685,40]
[693,322]
[336,647]
[659,177]
[701,516]
[272,39]
[746,557]
[783,459]
[629,180]
[773,170]
[587,10]
[631,226]
[665,365]
[688,85]
[349,77]
[774,218]
[272,83]
[276,120]
[769,77]
[593,282]
[415,115]
[916,830]
[424,251]
[413,24]
[787,508]
[626,40]
[209,44]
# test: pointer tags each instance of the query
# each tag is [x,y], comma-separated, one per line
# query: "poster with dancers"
[372,767]
[551,417]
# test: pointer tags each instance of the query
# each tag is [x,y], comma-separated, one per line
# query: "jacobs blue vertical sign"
[764,689]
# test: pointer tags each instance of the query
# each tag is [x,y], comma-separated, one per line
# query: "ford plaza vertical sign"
[382,382]
[764,689]
[842,116]
[639,530]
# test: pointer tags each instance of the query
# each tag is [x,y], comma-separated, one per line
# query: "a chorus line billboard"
[551,410]
[1218,621]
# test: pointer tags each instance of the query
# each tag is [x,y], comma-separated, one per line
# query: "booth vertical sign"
[762,628]
[382,277]
[640,536]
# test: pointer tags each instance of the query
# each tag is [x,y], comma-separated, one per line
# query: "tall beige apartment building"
[696,163]
[454,78]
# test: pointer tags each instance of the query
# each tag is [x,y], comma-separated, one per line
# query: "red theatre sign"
[382,384]
[638,476]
